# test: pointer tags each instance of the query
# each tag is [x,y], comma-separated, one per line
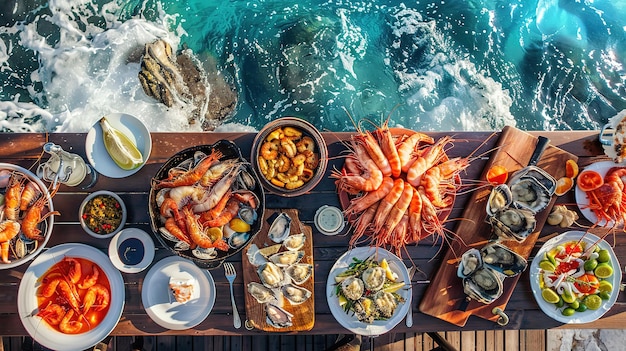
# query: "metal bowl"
[307,129]
[32,247]
[229,151]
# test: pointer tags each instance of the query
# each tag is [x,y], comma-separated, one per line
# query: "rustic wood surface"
[523,311]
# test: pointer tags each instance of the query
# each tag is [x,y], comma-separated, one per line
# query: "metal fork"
[231,274]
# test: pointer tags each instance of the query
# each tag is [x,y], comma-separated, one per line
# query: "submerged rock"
[180,81]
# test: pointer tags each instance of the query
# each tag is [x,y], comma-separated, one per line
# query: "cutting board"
[444,297]
[304,313]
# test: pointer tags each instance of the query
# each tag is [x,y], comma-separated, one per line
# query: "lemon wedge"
[121,149]
[388,273]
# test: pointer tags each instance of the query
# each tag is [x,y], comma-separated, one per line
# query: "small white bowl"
[131,250]
[94,195]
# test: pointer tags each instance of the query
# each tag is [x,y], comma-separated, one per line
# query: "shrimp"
[231,209]
[415,217]
[30,194]
[389,149]
[194,228]
[193,175]
[74,271]
[188,194]
[64,291]
[370,144]
[305,144]
[12,198]
[369,180]
[218,191]
[269,149]
[68,326]
[97,297]
[33,217]
[360,204]
[8,230]
[408,147]
[396,214]
[215,172]
[288,147]
[91,279]
[426,161]
[362,224]
[435,177]
[52,313]
[386,204]
[399,238]
[430,221]
[173,228]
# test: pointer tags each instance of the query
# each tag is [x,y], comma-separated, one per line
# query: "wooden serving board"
[304,313]
[444,297]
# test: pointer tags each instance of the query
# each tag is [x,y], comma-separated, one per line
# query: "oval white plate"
[162,308]
[347,320]
[97,153]
[579,317]
[27,299]
[148,246]
[581,197]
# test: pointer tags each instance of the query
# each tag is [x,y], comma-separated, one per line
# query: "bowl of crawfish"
[201,173]
[27,215]
[102,214]
[289,156]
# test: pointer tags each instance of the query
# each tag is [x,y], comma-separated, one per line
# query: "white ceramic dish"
[579,317]
[93,195]
[131,250]
[162,308]
[27,299]
[581,198]
[347,320]
[97,153]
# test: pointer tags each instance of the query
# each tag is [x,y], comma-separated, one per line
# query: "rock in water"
[178,80]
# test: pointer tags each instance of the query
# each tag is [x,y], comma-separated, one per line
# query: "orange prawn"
[193,175]
[68,326]
[91,279]
[408,146]
[97,297]
[65,291]
[387,203]
[360,204]
[396,213]
[12,198]
[52,314]
[369,180]
[362,224]
[33,217]
[173,228]
[30,194]
[8,230]
[426,161]
[375,152]
[389,149]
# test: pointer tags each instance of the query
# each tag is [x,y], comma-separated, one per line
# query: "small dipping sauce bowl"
[329,220]
[102,214]
[131,250]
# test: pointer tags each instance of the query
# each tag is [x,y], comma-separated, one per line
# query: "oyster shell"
[385,303]
[499,198]
[352,288]
[513,223]
[365,310]
[537,174]
[374,278]
[299,272]
[529,193]
[295,294]
[280,228]
[286,258]
[271,275]
[294,241]
[248,214]
[260,292]
[503,259]
[470,262]
[204,253]
[237,240]
[254,256]
[484,285]
[277,317]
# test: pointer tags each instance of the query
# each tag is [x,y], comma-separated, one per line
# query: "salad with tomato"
[573,276]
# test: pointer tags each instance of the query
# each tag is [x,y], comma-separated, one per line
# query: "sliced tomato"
[497,175]
[587,283]
[589,180]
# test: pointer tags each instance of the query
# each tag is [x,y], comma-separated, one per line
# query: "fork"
[231,274]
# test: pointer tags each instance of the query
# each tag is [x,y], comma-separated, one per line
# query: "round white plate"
[97,153]
[163,308]
[131,233]
[27,299]
[581,197]
[579,317]
[349,321]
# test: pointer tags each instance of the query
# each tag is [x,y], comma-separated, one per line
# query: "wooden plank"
[469,340]
[511,340]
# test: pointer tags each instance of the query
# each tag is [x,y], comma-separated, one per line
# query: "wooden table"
[523,311]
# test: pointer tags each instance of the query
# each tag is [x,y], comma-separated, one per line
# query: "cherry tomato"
[497,175]
[566,267]
[587,284]
[589,180]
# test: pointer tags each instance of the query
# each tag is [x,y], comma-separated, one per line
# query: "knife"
[409,314]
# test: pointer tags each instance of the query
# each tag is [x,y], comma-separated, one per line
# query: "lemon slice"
[603,270]
[121,149]
[547,266]
[550,295]
[593,302]
[394,287]
[605,286]
[239,225]
[388,273]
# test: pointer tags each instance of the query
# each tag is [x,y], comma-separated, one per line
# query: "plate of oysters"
[368,290]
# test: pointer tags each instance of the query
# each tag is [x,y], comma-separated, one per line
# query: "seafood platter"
[206,203]
[575,277]
[601,202]
[27,215]
[289,156]
[71,297]
[368,290]
[502,223]
[278,275]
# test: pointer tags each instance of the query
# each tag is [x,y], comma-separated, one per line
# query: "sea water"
[426,65]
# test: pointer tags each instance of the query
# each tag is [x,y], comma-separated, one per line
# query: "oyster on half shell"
[278,317]
[513,223]
[374,278]
[294,241]
[286,258]
[295,294]
[503,259]
[352,288]
[260,292]
[299,272]
[280,228]
[271,275]
[529,193]
[484,285]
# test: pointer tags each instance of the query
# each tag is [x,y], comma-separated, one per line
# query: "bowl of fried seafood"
[289,156]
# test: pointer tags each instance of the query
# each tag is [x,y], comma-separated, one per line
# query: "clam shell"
[299,272]
[286,258]
[260,292]
[295,294]
[277,317]
[294,241]
[254,255]
[280,228]
[499,198]
[271,275]
[248,214]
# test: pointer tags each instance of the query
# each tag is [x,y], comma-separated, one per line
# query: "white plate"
[124,265]
[97,153]
[581,197]
[347,320]
[27,299]
[579,317]
[155,294]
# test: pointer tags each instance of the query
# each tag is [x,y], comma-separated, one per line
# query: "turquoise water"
[429,65]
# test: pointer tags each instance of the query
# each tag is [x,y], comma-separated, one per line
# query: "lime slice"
[121,149]
[550,295]
[547,266]
[604,256]
[568,298]
[593,302]
[603,270]
[394,287]
[605,286]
